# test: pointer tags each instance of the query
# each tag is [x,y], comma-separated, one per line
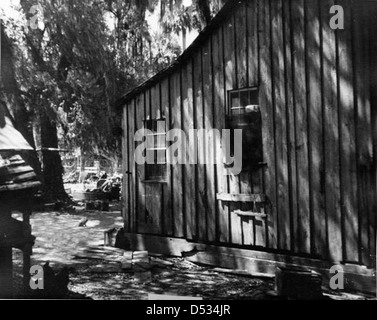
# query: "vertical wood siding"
[317,94]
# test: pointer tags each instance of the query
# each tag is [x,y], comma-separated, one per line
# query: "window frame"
[249,165]
[239,91]
[149,176]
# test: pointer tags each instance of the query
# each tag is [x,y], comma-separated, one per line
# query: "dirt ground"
[59,239]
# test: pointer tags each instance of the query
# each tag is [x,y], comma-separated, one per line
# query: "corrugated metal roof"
[224,13]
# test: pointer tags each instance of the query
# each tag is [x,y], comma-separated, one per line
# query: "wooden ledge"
[231,197]
[250,214]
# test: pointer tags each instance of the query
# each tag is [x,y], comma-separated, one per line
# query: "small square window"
[244,113]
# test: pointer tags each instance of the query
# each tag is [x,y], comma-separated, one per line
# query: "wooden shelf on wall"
[258,197]
[250,214]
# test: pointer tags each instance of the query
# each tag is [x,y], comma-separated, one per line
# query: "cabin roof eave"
[223,14]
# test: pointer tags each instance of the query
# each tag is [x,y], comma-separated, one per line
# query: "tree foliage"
[82,56]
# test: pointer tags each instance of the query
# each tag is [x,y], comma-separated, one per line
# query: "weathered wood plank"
[291,124]
[314,64]
[189,197]
[267,119]
[167,213]
[125,170]
[200,168]
[242,61]
[177,168]
[248,234]
[252,34]
[233,197]
[331,135]
[260,225]
[244,273]
[302,157]
[250,214]
[230,84]
[132,165]
[149,192]
[372,10]
[348,174]
[210,194]
[219,117]
[252,43]
[21,177]
[154,190]
[241,46]
[140,168]
[281,147]
[16,170]
[364,144]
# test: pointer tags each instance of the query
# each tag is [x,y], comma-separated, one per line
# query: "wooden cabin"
[306,194]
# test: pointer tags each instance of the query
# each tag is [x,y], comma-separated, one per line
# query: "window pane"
[235,101]
[150,142]
[254,97]
[245,99]
[156,142]
[161,156]
[161,141]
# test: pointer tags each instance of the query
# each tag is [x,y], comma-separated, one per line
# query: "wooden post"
[6,278]
[6,267]
[26,252]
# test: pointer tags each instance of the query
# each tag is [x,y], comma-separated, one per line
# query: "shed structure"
[305,96]
[18,183]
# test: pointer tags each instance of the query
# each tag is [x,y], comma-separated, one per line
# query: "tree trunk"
[204,11]
[52,168]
